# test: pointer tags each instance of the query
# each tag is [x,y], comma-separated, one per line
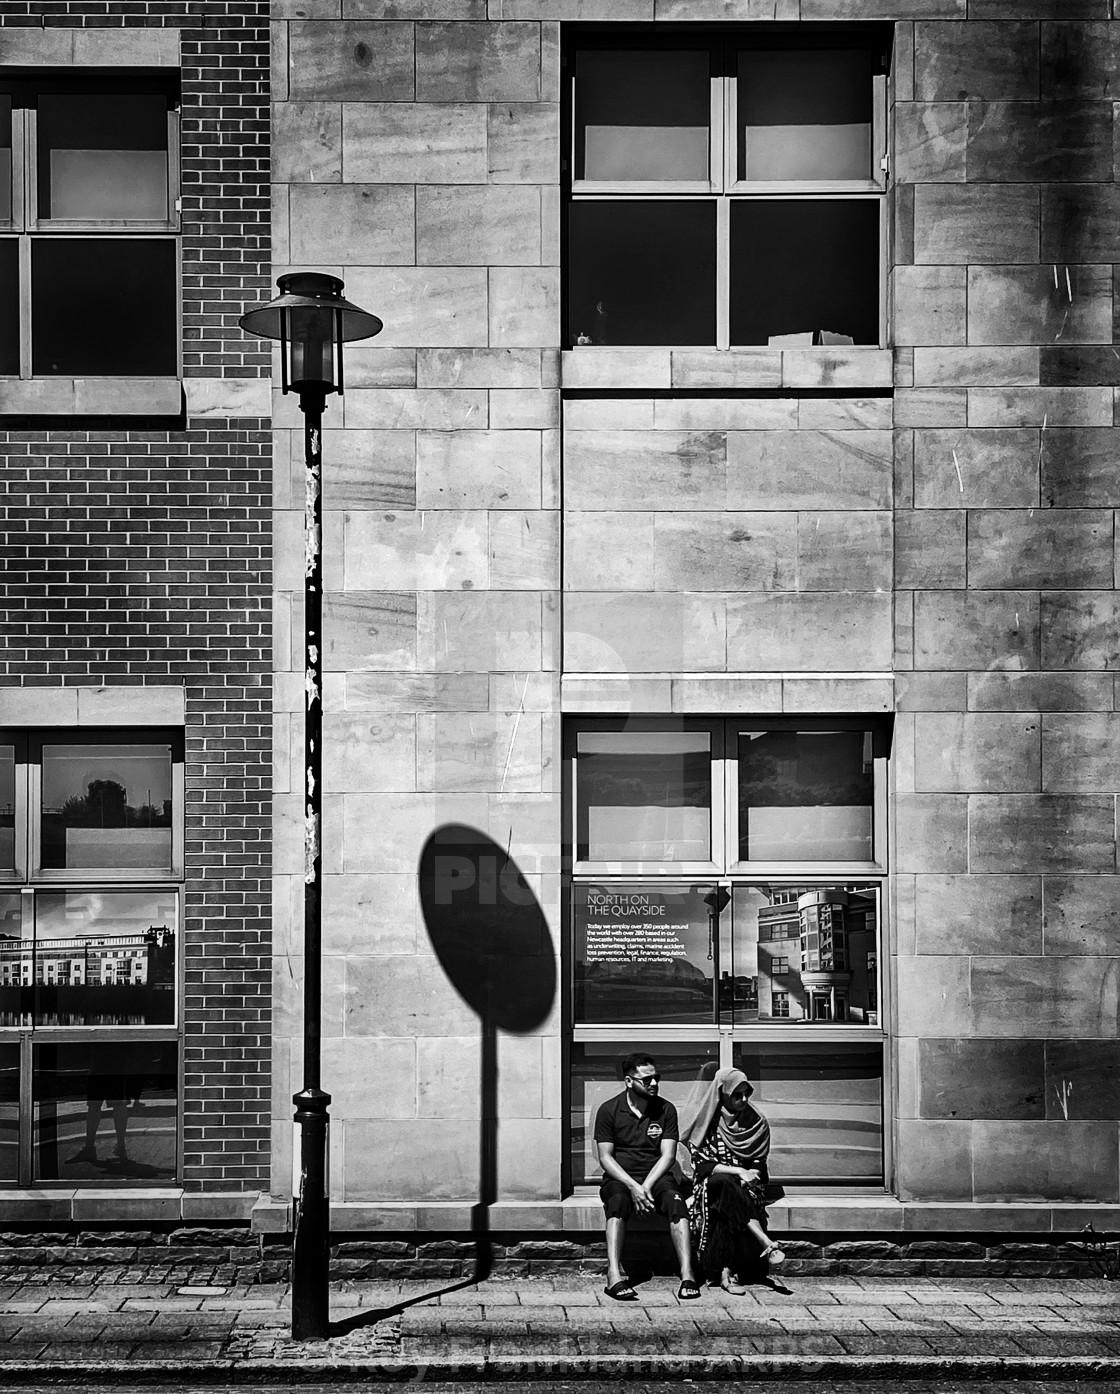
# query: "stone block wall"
[417,157]
[1005,935]
[757,531]
[137,549]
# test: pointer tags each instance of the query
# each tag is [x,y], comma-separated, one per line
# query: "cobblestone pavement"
[151,1316]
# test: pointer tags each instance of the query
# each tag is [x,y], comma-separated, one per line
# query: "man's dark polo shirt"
[637,1141]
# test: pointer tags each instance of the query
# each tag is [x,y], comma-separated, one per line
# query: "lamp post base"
[311,1236]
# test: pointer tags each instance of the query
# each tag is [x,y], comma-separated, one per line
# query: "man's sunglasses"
[645,1079]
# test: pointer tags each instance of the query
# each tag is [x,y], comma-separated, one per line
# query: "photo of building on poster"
[683,954]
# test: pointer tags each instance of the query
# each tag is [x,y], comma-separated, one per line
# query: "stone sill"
[91,397]
[824,1212]
[749,369]
[120,1204]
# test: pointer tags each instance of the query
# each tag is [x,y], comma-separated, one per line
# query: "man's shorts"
[618,1201]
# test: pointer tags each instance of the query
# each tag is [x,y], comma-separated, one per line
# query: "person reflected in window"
[726,1142]
[108,1082]
[636,1136]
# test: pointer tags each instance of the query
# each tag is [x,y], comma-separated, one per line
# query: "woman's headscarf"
[748,1138]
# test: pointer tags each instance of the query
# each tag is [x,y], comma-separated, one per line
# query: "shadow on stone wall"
[492,940]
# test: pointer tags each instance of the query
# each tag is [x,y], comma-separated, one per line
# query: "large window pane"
[9,307]
[16,968]
[806,796]
[805,114]
[5,158]
[807,267]
[9,1112]
[824,1103]
[107,807]
[106,1111]
[642,114]
[105,958]
[644,952]
[126,290]
[102,157]
[596,1077]
[803,954]
[7,808]
[643,795]
[642,272]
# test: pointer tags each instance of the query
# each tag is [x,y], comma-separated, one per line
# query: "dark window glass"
[106,1111]
[824,1104]
[809,958]
[806,267]
[9,306]
[643,795]
[804,114]
[7,808]
[9,1112]
[642,272]
[105,958]
[15,962]
[103,157]
[5,158]
[644,952]
[642,114]
[685,1072]
[126,288]
[806,796]
[107,807]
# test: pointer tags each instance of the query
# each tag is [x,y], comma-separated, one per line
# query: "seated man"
[636,1137]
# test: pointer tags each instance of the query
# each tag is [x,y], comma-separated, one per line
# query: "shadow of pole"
[492,940]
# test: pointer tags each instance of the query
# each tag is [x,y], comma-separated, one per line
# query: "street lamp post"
[311,321]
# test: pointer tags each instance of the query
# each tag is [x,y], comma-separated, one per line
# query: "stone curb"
[496,1369]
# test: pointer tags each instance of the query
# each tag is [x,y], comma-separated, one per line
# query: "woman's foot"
[730,1283]
[774,1256]
[621,1291]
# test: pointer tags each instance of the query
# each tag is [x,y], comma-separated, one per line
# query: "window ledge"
[91,397]
[700,369]
[70,1204]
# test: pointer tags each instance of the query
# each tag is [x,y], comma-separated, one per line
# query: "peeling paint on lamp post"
[311,321]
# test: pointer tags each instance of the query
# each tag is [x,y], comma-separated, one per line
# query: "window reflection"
[644,952]
[9,306]
[103,958]
[824,1104]
[685,1069]
[806,796]
[9,1112]
[5,159]
[642,114]
[805,114]
[107,806]
[106,1111]
[802,954]
[103,157]
[7,808]
[643,795]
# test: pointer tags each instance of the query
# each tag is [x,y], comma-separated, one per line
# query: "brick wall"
[139,552]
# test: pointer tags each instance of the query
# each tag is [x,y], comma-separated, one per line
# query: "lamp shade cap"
[310,290]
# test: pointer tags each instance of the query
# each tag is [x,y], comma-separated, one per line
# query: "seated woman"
[727,1142]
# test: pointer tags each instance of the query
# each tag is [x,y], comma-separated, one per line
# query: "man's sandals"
[688,1290]
[621,1291]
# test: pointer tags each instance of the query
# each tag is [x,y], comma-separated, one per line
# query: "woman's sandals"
[773,1255]
[621,1291]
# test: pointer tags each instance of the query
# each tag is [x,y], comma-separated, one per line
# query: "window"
[726,896]
[88,215]
[91,868]
[726,191]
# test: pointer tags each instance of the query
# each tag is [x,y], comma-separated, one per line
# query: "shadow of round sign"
[487,929]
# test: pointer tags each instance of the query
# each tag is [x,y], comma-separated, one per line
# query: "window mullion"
[25,306]
[723,272]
